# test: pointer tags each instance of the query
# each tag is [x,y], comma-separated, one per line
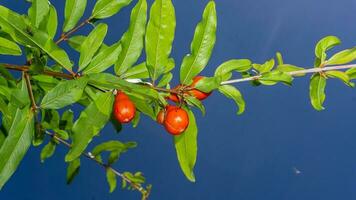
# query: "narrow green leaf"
[48,151]
[317,91]
[22,32]
[64,94]
[265,67]
[132,40]
[138,71]
[8,47]
[290,68]
[74,10]
[351,73]
[111,178]
[196,102]
[342,57]
[159,37]
[239,65]
[201,46]
[104,59]
[166,78]
[16,144]
[233,93]
[279,58]
[91,44]
[208,84]
[340,75]
[107,8]
[109,81]
[72,170]
[89,124]
[322,46]
[113,145]
[38,11]
[273,77]
[187,148]
[50,23]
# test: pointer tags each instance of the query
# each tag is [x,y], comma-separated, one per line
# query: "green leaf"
[239,65]
[113,145]
[166,78]
[89,124]
[109,81]
[207,84]
[16,144]
[342,57]
[132,40]
[138,71]
[265,67]
[279,58]
[73,170]
[187,147]
[104,59]
[8,47]
[38,11]
[107,8]
[22,32]
[233,93]
[340,75]
[195,102]
[351,73]
[317,91]
[159,37]
[74,10]
[322,46]
[66,122]
[64,94]
[50,23]
[91,44]
[48,151]
[201,46]
[273,77]
[111,178]
[290,68]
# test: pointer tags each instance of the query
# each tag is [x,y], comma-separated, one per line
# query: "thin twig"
[294,73]
[30,92]
[88,155]
[27,68]
[65,36]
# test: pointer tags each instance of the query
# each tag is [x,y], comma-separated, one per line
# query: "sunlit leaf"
[104,59]
[64,94]
[201,46]
[72,170]
[48,151]
[317,91]
[159,37]
[239,65]
[322,46]
[132,40]
[187,148]
[111,179]
[74,10]
[234,94]
[107,8]
[340,75]
[91,44]
[38,11]
[342,57]
[16,144]
[89,124]
[8,47]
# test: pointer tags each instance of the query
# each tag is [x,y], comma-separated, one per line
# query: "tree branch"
[30,92]
[145,193]
[65,36]
[293,73]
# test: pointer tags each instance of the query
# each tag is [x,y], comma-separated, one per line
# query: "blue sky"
[248,157]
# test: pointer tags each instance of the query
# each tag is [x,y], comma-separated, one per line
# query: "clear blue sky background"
[248,157]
